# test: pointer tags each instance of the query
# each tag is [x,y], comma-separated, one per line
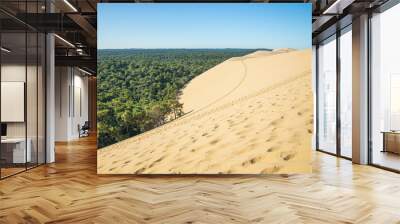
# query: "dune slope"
[247,115]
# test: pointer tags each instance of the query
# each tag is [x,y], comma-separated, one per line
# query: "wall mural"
[204,88]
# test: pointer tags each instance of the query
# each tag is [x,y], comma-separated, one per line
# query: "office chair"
[84,130]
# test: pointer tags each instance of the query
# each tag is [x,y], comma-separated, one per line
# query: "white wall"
[14,72]
[13,101]
[80,105]
[62,82]
[70,83]
[33,126]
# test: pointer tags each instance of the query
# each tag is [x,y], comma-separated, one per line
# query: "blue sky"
[180,25]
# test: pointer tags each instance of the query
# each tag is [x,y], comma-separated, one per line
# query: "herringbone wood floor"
[69,191]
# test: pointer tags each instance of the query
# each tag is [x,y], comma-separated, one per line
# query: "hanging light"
[5,50]
[70,5]
[64,40]
[84,71]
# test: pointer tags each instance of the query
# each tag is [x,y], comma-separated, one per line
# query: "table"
[391,141]
[13,150]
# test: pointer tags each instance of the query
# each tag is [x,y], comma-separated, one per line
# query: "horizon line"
[175,48]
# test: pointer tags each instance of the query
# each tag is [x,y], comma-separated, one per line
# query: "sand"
[247,115]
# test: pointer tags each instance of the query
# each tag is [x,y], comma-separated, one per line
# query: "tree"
[139,90]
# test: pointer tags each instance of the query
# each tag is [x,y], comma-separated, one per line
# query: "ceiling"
[73,21]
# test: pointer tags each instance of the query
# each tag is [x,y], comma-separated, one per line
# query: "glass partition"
[31,98]
[346,92]
[14,155]
[23,91]
[385,89]
[327,95]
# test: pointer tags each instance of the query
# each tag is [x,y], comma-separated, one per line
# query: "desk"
[391,141]
[13,150]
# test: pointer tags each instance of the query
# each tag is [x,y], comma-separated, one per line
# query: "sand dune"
[250,114]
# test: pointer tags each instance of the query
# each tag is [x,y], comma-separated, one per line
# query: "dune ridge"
[250,114]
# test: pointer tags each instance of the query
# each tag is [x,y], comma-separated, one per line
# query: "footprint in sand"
[271,149]
[250,161]
[270,138]
[273,169]
[287,155]
[158,160]
[139,171]
[216,126]
[248,125]
[215,141]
